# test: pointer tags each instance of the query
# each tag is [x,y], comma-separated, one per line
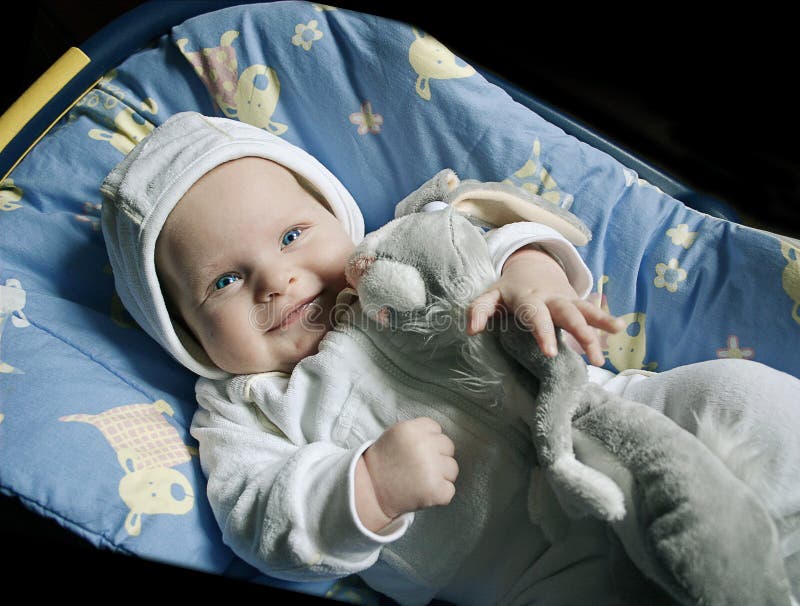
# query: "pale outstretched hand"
[534,290]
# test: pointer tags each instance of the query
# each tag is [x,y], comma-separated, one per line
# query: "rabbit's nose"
[356,268]
[388,285]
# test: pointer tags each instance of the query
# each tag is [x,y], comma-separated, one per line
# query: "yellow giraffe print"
[250,97]
[129,127]
[147,449]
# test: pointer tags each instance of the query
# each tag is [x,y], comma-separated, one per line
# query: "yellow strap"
[40,93]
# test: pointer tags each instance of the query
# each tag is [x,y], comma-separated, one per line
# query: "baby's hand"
[410,467]
[536,290]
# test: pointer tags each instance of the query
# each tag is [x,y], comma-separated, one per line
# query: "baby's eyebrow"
[198,280]
[207,268]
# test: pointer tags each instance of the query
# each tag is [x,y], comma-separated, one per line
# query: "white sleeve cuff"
[394,529]
[507,239]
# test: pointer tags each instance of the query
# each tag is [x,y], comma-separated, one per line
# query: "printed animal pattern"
[432,60]
[130,127]
[534,177]
[12,301]
[626,349]
[125,122]
[147,447]
[250,97]
[790,278]
[217,67]
[10,195]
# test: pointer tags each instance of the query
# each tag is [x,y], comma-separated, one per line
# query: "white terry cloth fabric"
[142,190]
[295,438]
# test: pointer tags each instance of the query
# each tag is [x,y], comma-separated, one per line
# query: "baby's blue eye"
[224,280]
[290,236]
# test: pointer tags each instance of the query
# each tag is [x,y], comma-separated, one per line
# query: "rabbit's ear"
[496,204]
[435,189]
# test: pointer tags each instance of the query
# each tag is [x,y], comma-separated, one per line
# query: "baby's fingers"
[569,316]
[535,317]
[481,309]
[599,318]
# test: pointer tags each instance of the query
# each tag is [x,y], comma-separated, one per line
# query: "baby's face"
[253,263]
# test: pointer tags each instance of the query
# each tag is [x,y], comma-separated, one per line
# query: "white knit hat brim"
[142,190]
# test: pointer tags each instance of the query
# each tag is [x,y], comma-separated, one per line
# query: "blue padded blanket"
[94,416]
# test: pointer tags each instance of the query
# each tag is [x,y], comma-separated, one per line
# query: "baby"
[229,247]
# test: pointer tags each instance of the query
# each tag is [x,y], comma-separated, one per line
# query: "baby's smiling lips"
[294,313]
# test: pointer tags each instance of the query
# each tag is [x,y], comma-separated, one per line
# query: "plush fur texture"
[687,522]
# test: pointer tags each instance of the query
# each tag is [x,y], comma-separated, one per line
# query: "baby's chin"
[284,363]
[302,346]
[305,349]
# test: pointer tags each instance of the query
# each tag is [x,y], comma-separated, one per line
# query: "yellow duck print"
[626,349]
[10,194]
[433,60]
[129,127]
[12,300]
[790,279]
[257,97]
[147,449]
[251,97]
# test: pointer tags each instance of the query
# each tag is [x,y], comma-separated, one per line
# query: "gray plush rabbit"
[685,521]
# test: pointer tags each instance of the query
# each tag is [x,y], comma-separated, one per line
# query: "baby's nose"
[275,283]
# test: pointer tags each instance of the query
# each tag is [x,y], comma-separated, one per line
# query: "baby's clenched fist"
[411,467]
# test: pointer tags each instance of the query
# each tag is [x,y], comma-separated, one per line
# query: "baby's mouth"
[298,312]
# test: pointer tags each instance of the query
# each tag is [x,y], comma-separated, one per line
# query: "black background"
[710,98]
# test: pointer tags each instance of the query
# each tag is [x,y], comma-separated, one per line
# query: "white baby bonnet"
[140,192]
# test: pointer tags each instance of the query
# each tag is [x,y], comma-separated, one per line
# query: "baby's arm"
[542,292]
[410,467]
[286,509]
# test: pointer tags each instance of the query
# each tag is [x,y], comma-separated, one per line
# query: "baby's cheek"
[231,346]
